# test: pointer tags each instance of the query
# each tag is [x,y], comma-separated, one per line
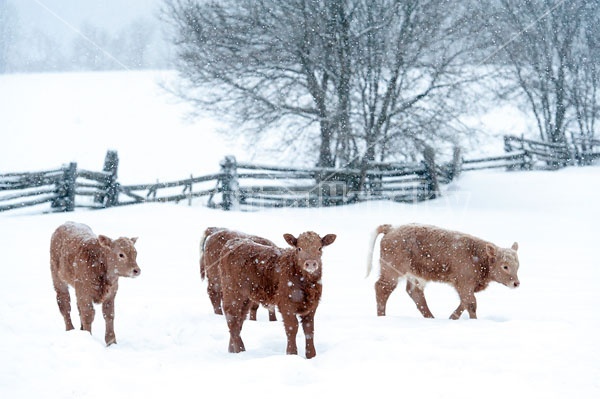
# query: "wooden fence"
[586,150]
[59,188]
[554,155]
[247,186]
[250,185]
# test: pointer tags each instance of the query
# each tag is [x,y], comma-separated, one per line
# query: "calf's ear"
[290,239]
[133,239]
[328,239]
[515,246]
[490,250]
[104,241]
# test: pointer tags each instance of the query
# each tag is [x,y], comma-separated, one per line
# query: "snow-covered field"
[538,341]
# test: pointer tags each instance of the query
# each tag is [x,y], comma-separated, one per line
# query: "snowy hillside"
[51,119]
[539,340]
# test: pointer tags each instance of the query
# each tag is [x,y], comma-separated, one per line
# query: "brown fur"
[211,244]
[92,265]
[287,278]
[427,253]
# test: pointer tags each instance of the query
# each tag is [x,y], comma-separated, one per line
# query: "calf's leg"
[272,315]
[235,314]
[108,311]
[415,291]
[253,311]
[468,302]
[309,333]
[290,323]
[383,289]
[63,299]
[86,312]
[215,295]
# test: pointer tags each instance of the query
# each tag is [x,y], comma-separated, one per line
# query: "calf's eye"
[505,267]
[121,255]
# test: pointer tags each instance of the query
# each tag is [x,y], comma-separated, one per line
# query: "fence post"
[433,187]
[65,189]
[324,189]
[191,189]
[456,164]
[230,184]
[507,144]
[111,165]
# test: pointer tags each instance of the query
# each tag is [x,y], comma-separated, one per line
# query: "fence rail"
[555,155]
[245,186]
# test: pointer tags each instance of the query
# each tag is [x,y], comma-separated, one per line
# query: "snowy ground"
[539,340]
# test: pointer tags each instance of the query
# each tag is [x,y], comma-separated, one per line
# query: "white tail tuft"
[379,230]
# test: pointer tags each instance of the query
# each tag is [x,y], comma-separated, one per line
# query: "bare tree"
[370,74]
[551,49]
[584,72]
[413,63]
[259,60]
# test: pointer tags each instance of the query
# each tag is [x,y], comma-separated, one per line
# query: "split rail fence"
[249,186]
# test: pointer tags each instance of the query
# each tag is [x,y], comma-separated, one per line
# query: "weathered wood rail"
[57,187]
[554,155]
[518,160]
[246,186]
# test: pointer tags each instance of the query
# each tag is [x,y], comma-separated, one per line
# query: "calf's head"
[504,265]
[309,246]
[121,255]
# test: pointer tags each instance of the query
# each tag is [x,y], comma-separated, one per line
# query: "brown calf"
[211,244]
[427,253]
[287,278]
[92,265]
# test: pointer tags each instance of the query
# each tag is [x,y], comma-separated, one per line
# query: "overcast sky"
[61,21]
[60,16]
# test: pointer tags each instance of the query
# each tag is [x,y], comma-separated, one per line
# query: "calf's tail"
[383,229]
[207,232]
[202,268]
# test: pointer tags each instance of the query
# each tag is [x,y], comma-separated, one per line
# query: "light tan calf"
[92,265]
[422,253]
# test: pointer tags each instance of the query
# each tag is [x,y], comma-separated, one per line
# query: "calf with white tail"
[422,253]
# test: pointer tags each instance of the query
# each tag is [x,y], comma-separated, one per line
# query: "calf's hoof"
[236,350]
[235,347]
